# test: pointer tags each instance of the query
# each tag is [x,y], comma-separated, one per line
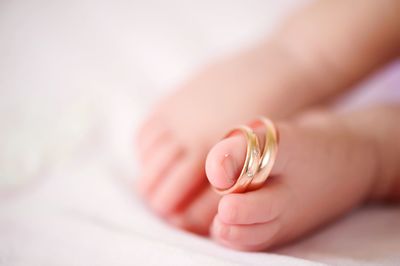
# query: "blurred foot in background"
[312,59]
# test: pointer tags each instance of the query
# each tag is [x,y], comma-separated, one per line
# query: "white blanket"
[76,78]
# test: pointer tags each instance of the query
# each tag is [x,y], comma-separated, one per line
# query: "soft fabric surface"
[76,79]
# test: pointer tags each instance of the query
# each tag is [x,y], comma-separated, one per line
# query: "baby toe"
[160,161]
[245,237]
[225,160]
[179,185]
[199,214]
[259,206]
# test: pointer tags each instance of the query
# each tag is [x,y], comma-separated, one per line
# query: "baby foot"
[322,170]
[277,78]
[174,141]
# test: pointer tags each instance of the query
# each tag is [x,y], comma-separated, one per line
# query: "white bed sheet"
[76,78]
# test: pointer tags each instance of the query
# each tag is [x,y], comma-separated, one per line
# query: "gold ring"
[257,166]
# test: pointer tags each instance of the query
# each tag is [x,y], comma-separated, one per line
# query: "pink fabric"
[382,87]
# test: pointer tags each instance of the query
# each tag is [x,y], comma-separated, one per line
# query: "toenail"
[229,166]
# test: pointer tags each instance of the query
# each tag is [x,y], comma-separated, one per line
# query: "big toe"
[225,161]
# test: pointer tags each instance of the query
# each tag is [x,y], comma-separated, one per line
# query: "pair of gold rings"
[258,164]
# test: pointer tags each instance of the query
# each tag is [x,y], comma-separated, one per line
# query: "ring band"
[257,166]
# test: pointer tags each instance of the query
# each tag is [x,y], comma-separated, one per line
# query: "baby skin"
[327,163]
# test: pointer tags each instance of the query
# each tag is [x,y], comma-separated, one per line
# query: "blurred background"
[76,79]
[75,71]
